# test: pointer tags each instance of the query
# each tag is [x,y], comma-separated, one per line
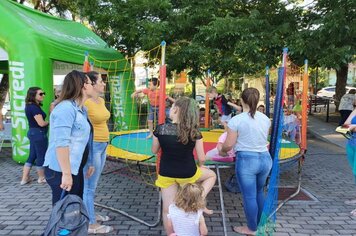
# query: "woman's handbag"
[232,185]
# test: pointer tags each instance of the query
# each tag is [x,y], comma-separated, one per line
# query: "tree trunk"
[341,79]
[193,88]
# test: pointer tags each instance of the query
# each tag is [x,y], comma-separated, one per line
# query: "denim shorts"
[153,114]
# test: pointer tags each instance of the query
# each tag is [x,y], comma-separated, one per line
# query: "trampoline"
[133,147]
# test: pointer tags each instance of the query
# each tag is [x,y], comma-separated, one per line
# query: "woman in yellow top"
[98,116]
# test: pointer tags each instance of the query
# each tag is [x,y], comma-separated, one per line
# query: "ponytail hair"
[250,97]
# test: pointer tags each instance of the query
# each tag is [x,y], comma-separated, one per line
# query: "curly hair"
[188,125]
[190,197]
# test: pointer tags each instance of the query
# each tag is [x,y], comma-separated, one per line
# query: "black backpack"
[68,217]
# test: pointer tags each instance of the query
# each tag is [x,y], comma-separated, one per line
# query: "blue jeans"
[99,157]
[38,146]
[252,169]
[54,180]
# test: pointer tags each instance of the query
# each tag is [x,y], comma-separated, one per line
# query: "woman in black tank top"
[177,141]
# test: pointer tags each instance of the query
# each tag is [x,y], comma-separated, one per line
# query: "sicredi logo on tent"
[18,88]
[118,108]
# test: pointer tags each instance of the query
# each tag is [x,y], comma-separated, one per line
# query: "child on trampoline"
[153,96]
[213,154]
[224,106]
[177,166]
[290,124]
[185,215]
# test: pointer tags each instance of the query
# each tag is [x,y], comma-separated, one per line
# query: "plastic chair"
[5,134]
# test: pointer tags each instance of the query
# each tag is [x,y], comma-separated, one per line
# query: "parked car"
[200,100]
[329,92]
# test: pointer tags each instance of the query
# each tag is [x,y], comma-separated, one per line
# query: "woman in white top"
[346,105]
[247,134]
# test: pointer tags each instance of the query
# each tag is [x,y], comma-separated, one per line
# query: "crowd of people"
[73,157]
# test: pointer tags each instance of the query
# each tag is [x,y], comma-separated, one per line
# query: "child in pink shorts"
[213,154]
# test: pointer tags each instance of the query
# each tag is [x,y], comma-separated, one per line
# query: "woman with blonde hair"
[177,140]
[98,115]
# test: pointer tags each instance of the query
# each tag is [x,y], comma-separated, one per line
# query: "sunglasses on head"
[41,94]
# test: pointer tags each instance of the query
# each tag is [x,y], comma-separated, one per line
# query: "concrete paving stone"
[37,232]
[300,234]
[324,232]
[294,226]
[281,234]
[317,222]
[334,222]
[336,218]
[5,232]
[321,218]
[150,232]
[314,227]
[35,227]
[296,222]
[305,231]
[346,232]
[350,226]
[20,232]
[14,222]
[285,229]
[129,232]
[13,227]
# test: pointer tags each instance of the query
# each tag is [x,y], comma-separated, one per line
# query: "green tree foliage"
[54,7]
[328,37]
[129,25]
[249,36]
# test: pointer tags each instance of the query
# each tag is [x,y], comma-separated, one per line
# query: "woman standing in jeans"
[247,134]
[98,116]
[70,137]
[37,134]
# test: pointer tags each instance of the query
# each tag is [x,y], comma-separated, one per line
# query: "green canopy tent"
[34,41]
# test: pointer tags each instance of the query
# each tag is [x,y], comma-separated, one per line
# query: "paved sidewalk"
[24,210]
[325,131]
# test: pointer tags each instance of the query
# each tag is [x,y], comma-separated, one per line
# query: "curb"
[321,137]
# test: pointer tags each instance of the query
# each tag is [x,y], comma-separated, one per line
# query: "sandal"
[27,181]
[41,180]
[102,218]
[353,213]
[243,230]
[101,229]
[350,202]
